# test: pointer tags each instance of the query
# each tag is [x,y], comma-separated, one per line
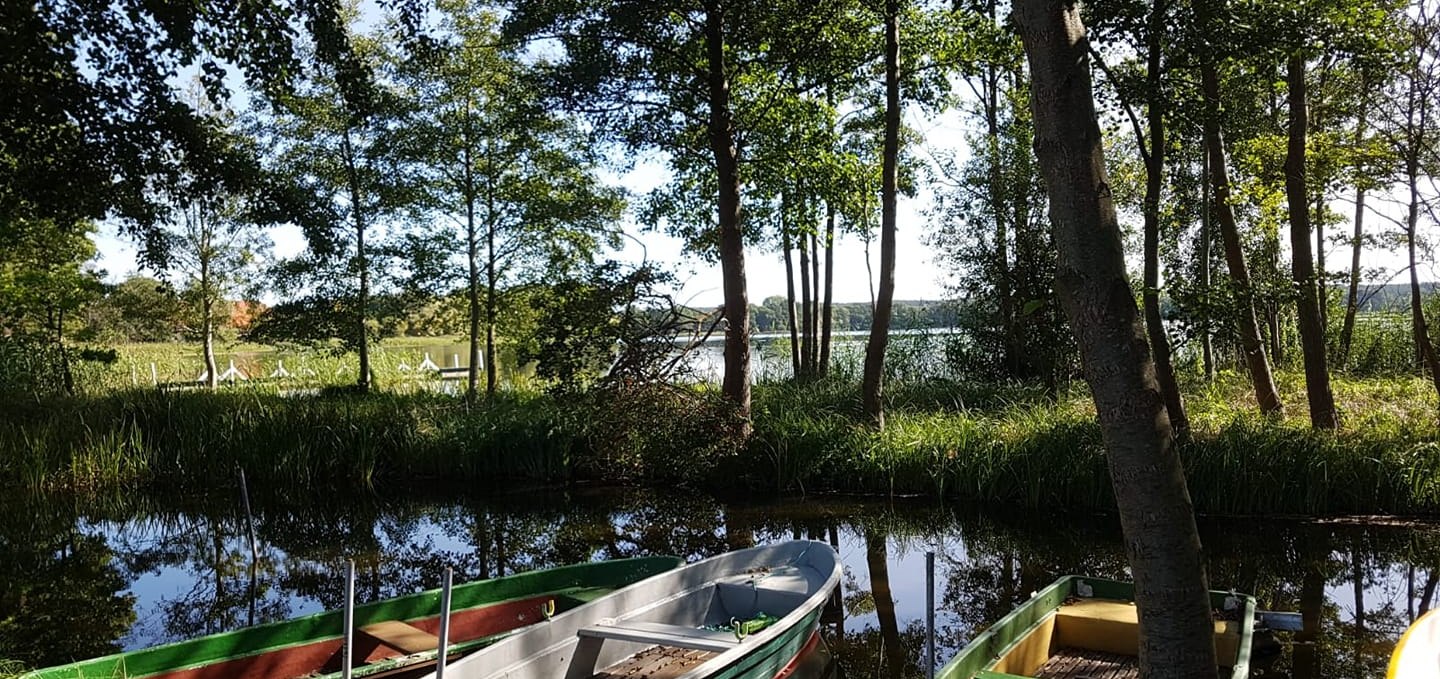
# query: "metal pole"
[347,660]
[930,614]
[444,626]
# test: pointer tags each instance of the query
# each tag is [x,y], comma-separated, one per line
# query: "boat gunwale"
[108,665]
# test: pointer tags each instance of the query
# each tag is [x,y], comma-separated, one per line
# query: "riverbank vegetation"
[1008,446]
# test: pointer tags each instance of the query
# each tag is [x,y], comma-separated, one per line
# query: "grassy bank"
[996,445]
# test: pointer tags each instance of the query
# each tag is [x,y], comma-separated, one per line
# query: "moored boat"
[388,634]
[1080,627]
[746,614]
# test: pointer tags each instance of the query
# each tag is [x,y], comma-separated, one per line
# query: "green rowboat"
[389,634]
[1082,626]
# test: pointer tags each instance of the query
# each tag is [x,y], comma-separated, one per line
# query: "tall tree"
[684,77]
[515,177]
[342,149]
[1411,132]
[872,384]
[1251,342]
[1323,414]
[1357,240]
[214,234]
[1161,540]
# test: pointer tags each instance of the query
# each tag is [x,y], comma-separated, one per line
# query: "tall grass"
[196,441]
[1000,445]
[1019,448]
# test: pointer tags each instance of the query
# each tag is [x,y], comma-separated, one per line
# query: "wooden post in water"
[444,625]
[930,615]
[254,552]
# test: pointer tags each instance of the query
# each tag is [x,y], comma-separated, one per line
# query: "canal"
[90,577]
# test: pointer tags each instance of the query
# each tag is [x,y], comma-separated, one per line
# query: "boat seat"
[402,637]
[675,636]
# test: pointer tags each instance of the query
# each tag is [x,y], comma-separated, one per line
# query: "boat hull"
[482,612]
[1096,616]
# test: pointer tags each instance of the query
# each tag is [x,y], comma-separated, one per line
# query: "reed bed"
[1001,445]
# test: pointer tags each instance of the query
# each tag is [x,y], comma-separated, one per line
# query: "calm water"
[83,580]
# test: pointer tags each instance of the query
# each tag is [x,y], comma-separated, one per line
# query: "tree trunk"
[790,303]
[207,305]
[814,368]
[827,314]
[1302,263]
[472,277]
[1430,362]
[1207,343]
[807,300]
[1352,296]
[1251,343]
[736,383]
[1154,180]
[67,377]
[873,383]
[1009,344]
[492,302]
[357,214]
[1156,516]
[1322,294]
[207,339]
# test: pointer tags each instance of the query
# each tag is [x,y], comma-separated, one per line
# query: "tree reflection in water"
[186,569]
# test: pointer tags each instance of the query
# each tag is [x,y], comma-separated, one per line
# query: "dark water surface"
[84,579]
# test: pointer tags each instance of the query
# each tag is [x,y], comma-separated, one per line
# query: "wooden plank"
[403,637]
[1074,663]
[674,636]
[659,662]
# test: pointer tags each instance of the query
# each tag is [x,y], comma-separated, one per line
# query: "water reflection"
[139,571]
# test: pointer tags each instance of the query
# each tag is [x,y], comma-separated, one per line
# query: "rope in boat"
[744,628]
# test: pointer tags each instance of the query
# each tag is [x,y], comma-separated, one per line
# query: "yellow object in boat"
[1417,655]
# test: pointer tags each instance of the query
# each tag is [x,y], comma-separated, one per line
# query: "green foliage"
[994,232]
[138,309]
[43,276]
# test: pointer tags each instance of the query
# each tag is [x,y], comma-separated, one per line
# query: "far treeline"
[1261,154]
